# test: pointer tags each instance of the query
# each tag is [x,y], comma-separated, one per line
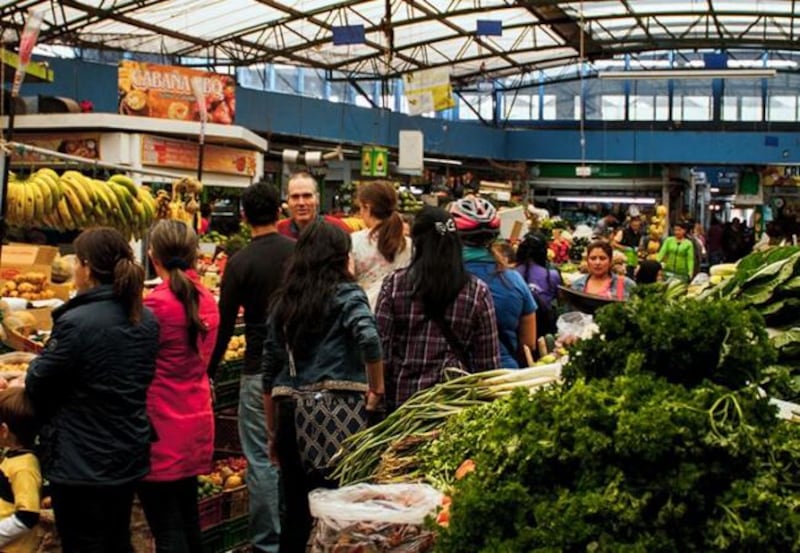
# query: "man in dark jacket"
[251,277]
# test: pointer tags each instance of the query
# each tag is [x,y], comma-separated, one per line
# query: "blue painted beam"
[648,146]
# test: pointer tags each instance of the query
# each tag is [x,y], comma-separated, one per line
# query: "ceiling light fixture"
[688,74]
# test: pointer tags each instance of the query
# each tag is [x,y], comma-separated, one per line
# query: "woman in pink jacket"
[179,398]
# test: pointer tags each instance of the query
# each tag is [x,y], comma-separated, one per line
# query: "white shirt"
[371,267]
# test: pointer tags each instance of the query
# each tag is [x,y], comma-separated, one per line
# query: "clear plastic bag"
[373,518]
[575,323]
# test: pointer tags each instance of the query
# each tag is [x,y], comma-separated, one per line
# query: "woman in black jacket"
[89,387]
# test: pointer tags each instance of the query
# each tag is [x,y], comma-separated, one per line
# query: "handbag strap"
[289,354]
[453,341]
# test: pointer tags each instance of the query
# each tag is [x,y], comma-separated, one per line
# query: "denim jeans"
[262,477]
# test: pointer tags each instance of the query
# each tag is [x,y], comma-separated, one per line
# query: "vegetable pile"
[386,452]
[658,441]
[769,281]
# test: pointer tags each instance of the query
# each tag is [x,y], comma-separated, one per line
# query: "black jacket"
[89,387]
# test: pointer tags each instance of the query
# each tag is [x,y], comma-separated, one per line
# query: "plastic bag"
[575,323]
[395,503]
[16,357]
[373,518]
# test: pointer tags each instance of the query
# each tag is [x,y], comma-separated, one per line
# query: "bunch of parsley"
[644,449]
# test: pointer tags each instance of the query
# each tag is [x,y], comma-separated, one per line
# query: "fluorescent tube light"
[441,160]
[607,199]
[688,74]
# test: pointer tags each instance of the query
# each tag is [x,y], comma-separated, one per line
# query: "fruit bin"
[227,394]
[235,503]
[226,434]
[230,370]
[210,511]
[235,532]
[213,541]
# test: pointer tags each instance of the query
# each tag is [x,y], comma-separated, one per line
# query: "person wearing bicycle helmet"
[478,226]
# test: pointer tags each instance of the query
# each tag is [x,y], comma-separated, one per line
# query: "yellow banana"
[125,199]
[77,181]
[11,201]
[99,189]
[47,193]
[125,181]
[46,179]
[38,201]
[64,214]
[74,203]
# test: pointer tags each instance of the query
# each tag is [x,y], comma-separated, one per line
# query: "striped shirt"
[416,352]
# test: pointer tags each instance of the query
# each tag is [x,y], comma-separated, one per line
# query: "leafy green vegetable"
[686,342]
[659,441]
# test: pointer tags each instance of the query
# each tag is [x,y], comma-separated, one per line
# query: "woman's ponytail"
[391,238]
[186,292]
[128,287]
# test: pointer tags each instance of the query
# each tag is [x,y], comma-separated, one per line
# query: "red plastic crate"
[235,503]
[210,510]
[226,434]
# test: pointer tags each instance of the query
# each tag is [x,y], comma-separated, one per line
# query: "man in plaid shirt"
[422,330]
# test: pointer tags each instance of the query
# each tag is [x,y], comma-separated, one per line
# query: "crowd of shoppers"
[339,328]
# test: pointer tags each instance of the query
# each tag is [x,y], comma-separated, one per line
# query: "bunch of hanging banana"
[77,201]
[182,205]
[30,201]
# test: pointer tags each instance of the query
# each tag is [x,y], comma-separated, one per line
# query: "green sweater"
[677,257]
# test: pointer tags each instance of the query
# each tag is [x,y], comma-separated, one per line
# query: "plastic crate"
[210,511]
[235,503]
[235,533]
[226,434]
[227,394]
[213,540]
[230,370]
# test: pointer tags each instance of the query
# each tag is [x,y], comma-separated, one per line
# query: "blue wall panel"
[656,146]
[269,112]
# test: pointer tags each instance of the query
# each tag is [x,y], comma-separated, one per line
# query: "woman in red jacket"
[179,399]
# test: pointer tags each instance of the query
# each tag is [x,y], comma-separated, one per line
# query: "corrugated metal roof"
[407,35]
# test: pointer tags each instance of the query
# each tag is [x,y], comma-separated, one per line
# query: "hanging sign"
[374,161]
[428,90]
[165,91]
[178,154]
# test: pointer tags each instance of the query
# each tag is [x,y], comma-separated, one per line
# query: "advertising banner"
[374,161]
[163,91]
[428,90]
[85,145]
[165,152]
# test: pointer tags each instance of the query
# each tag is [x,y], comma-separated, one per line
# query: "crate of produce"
[235,503]
[227,394]
[226,434]
[210,511]
[213,540]
[235,533]
[230,370]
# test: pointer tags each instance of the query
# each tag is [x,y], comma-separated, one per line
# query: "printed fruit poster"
[165,91]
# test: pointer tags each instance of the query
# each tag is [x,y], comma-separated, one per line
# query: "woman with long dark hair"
[179,399]
[383,246]
[434,314]
[323,370]
[89,387]
[542,280]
